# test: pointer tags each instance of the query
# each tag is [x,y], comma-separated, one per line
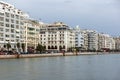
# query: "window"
[2,14]
[3,8]
[7,30]
[17,22]
[12,30]
[1,18]
[7,14]
[7,35]
[8,9]
[7,40]
[1,34]
[12,40]
[21,18]
[7,25]
[37,29]
[12,35]
[17,36]
[17,40]
[17,32]
[64,47]
[12,21]
[12,25]
[1,24]
[21,23]
[1,39]
[12,15]
[17,26]
[17,16]
[1,29]
[7,20]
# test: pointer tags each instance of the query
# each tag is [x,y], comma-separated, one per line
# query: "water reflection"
[90,67]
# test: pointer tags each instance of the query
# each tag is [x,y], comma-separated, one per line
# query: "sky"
[100,15]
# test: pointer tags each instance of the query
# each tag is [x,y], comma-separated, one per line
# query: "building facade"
[57,36]
[117,43]
[11,24]
[105,42]
[92,40]
[89,39]
[31,33]
[79,38]
[85,39]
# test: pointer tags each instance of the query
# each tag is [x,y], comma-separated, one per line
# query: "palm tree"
[8,46]
[18,46]
[4,46]
[23,47]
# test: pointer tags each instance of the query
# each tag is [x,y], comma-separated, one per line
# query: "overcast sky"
[100,15]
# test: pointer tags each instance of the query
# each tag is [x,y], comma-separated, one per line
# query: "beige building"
[105,41]
[117,43]
[31,33]
[57,36]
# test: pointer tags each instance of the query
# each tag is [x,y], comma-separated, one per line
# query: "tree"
[18,46]
[23,47]
[8,46]
[77,49]
[40,48]
[4,46]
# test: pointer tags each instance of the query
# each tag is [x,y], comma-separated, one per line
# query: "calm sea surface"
[89,67]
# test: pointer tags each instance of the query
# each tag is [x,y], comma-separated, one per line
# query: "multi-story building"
[92,40]
[112,43]
[79,38]
[31,33]
[117,43]
[57,36]
[16,27]
[105,42]
[85,39]
[101,41]
[11,24]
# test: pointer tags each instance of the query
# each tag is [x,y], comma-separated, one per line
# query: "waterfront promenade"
[53,55]
[45,55]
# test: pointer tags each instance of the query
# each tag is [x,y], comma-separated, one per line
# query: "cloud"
[67,1]
[117,2]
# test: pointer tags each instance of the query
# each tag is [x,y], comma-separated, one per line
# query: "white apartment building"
[85,39]
[11,24]
[31,33]
[112,43]
[117,43]
[92,40]
[57,36]
[105,41]
[79,37]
